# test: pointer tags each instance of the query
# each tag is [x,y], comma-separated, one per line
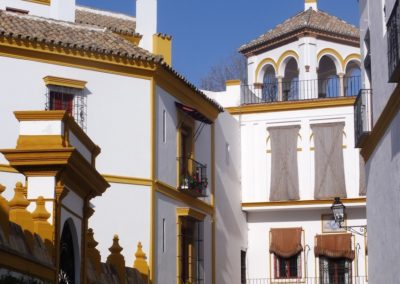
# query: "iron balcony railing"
[312,280]
[393,39]
[296,90]
[193,179]
[362,117]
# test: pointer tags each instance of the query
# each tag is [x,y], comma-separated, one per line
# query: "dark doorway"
[67,256]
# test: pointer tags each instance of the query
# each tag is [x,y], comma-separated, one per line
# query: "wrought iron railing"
[311,280]
[362,116]
[193,179]
[296,90]
[393,39]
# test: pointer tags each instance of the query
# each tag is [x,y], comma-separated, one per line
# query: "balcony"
[393,39]
[295,90]
[310,280]
[362,117]
[193,179]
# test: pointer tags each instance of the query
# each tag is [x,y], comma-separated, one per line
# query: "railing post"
[341,84]
[280,88]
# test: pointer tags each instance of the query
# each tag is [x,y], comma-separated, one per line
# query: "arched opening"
[68,253]
[270,85]
[328,80]
[290,82]
[352,79]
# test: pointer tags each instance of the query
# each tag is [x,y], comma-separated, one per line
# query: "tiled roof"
[114,22]
[81,37]
[310,19]
[65,34]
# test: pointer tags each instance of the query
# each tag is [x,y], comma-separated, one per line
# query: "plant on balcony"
[194,183]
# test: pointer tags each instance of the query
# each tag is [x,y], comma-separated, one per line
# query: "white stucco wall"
[256,150]
[123,210]
[166,260]
[231,226]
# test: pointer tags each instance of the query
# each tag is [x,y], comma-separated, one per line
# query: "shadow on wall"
[395,136]
[233,229]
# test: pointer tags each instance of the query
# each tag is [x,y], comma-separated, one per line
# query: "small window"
[164,139]
[243,267]
[285,268]
[335,270]
[72,100]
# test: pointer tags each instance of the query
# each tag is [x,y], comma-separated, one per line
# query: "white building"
[161,138]
[297,151]
[378,132]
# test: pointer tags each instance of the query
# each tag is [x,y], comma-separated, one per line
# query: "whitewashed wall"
[166,260]
[118,120]
[260,223]
[167,151]
[256,156]
[383,167]
[231,226]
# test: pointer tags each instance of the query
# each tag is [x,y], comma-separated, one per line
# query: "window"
[190,251]
[243,267]
[287,267]
[335,270]
[164,134]
[68,95]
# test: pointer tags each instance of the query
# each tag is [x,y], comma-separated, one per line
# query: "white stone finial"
[310,4]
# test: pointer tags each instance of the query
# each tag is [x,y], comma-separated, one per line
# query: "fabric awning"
[193,113]
[334,246]
[286,242]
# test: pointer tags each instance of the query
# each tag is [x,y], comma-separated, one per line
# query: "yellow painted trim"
[232,83]
[351,57]
[264,62]
[7,169]
[153,170]
[42,2]
[287,106]
[186,211]
[301,202]
[40,141]
[64,82]
[162,45]
[382,124]
[331,51]
[127,180]
[311,1]
[135,39]
[213,221]
[46,53]
[286,54]
[40,115]
[173,193]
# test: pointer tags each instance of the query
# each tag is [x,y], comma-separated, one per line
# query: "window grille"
[334,270]
[73,100]
[191,258]
[287,267]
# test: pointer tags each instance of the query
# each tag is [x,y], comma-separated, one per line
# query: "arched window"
[290,82]
[67,254]
[352,79]
[270,85]
[328,81]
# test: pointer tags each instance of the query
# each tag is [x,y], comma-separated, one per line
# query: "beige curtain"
[329,165]
[284,172]
[285,242]
[363,185]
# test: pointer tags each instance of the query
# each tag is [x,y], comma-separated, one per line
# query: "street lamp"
[338,211]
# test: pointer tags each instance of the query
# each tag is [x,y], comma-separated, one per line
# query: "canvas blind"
[334,246]
[329,165]
[285,242]
[284,171]
[363,185]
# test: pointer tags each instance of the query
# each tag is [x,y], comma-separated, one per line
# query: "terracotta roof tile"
[309,19]
[70,35]
[114,22]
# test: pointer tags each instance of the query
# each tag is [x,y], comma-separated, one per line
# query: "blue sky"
[207,31]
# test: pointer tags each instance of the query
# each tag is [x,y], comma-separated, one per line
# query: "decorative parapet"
[41,225]
[116,259]
[4,213]
[19,213]
[140,263]
[92,253]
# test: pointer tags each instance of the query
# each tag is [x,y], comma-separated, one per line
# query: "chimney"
[146,22]
[63,10]
[310,4]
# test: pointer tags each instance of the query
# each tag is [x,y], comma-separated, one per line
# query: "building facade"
[377,132]
[298,153]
